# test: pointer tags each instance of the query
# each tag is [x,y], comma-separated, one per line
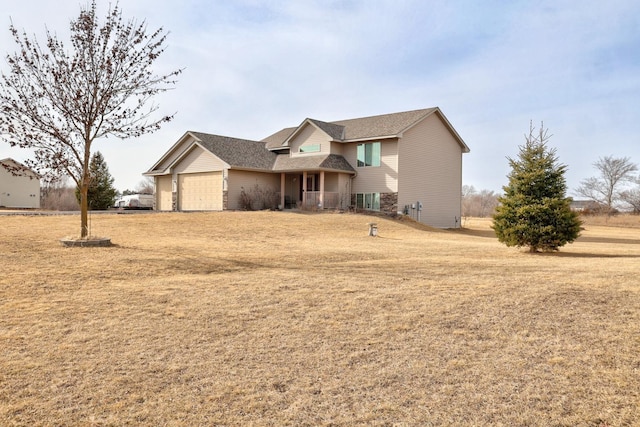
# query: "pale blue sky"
[254,67]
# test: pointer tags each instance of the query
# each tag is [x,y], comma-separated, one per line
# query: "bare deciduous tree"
[146,186]
[58,196]
[605,188]
[632,197]
[56,101]
[478,204]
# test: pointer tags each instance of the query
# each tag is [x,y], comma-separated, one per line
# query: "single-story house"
[19,185]
[408,163]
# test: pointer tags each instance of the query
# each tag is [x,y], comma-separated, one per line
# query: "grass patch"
[271,318]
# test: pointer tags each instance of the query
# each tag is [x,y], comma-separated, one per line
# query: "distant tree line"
[615,187]
[476,203]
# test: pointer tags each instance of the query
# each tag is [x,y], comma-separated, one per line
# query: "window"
[311,148]
[369,154]
[368,201]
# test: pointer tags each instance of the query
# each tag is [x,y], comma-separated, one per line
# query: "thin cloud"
[253,67]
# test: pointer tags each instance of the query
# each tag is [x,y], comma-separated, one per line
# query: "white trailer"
[135,201]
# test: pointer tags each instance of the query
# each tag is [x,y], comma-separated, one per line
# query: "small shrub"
[245,200]
[258,198]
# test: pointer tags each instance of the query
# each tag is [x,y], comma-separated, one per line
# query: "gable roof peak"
[391,125]
[383,125]
[335,131]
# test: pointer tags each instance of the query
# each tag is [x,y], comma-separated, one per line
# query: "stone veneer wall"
[388,203]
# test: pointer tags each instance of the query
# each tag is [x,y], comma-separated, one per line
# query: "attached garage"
[200,191]
[164,197]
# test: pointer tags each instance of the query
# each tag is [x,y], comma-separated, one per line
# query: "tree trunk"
[84,192]
[84,208]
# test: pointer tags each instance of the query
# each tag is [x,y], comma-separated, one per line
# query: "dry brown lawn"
[269,318]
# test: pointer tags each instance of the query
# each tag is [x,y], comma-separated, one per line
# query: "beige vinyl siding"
[375,179]
[337,148]
[200,191]
[310,135]
[175,152]
[164,193]
[344,188]
[331,182]
[430,171]
[199,160]
[239,179]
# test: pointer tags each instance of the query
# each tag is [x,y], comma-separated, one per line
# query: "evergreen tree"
[534,210]
[101,194]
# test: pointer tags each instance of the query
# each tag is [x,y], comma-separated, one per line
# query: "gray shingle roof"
[383,125]
[333,130]
[301,163]
[241,153]
[361,128]
[276,140]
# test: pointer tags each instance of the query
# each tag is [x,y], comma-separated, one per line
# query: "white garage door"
[200,191]
[163,193]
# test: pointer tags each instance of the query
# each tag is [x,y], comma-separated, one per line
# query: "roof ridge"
[206,134]
[334,130]
[426,110]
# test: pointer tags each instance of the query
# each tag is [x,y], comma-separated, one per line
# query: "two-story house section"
[408,163]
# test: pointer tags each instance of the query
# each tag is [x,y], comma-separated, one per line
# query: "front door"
[311,183]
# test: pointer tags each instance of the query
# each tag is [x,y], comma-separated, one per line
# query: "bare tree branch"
[57,100]
[605,189]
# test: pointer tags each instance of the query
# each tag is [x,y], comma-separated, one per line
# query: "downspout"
[304,189]
[283,187]
[321,204]
[351,188]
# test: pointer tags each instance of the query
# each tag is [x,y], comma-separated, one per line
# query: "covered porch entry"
[315,190]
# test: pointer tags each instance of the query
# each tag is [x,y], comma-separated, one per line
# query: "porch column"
[321,189]
[282,189]
[304,189]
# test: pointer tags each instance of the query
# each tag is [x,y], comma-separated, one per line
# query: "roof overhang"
[436,110]
[18,169]
[154,171]
[305,122]
[372,138]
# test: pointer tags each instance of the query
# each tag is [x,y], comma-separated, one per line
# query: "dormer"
[314,137]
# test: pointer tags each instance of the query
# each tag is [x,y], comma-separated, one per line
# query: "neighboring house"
[19,185]
[391,163]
